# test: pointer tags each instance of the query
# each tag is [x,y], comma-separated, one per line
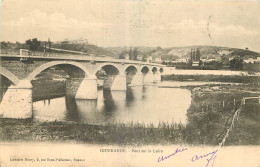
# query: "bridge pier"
[72,85]
[119,82]
[148,78]
[17,101]
[137,79]
[88,88]
[82,88]
[108,81]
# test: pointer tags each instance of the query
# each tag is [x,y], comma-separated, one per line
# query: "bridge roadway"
[20,70]
[59,56]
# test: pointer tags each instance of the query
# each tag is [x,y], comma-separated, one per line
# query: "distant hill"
[165,53]
[184,52]
[13,48]
[206,52]
[141,49]
[86,48]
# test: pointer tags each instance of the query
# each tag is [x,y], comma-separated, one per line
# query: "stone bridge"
[20,70]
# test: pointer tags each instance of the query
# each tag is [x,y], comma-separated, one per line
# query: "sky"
[110,23]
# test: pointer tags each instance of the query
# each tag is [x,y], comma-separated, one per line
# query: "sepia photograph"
[129,83]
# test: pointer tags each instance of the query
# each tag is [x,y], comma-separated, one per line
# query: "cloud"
[123,29]
[190,26]
[55,21]
[57,25]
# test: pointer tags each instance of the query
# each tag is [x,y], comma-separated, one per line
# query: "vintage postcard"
[129,83]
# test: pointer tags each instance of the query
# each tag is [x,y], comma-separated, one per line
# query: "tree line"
[132,53]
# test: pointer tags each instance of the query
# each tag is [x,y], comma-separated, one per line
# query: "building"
[149,59]
[77,41]
[157,59]
[127,57]
[154,59]
[233,57]
[250,60]
[140,57]
[180,61]
[207,60]
[224,52]
[195,64]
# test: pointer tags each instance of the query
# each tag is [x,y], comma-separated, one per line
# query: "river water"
[143,104]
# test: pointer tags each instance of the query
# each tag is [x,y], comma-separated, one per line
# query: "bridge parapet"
[82,58]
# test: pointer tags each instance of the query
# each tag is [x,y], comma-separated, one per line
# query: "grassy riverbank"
[117,133]
[211,110]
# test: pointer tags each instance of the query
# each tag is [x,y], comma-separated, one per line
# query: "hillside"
[165,53]
[86,48]
[184,52]
[141,49]
[206,52]
[13,48]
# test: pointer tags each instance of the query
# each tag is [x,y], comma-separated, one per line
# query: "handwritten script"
[209,157]
[162,158]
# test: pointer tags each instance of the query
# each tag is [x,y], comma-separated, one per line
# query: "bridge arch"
[161,70]
[131,71]
[145,69]
[154,69]
[114,68]
[131,66]
[54,63]
[14,79]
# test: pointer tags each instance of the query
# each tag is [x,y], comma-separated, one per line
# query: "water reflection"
[71,109]
[86,110]
[109,104]
[56,110]
[129,97]
[138,104]
[143,91]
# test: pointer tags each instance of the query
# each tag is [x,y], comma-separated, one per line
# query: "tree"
[197,55]
[122,55]
[3,46]
[144,58]
[49,44]
[200,63]
[135,53]
[236,64]
[33,44]
[131,54]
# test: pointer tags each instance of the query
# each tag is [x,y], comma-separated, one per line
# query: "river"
[143,104]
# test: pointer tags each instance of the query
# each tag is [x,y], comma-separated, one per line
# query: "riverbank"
[253,79]
[116,133]
[208,118]
[211,111]
[210,72]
